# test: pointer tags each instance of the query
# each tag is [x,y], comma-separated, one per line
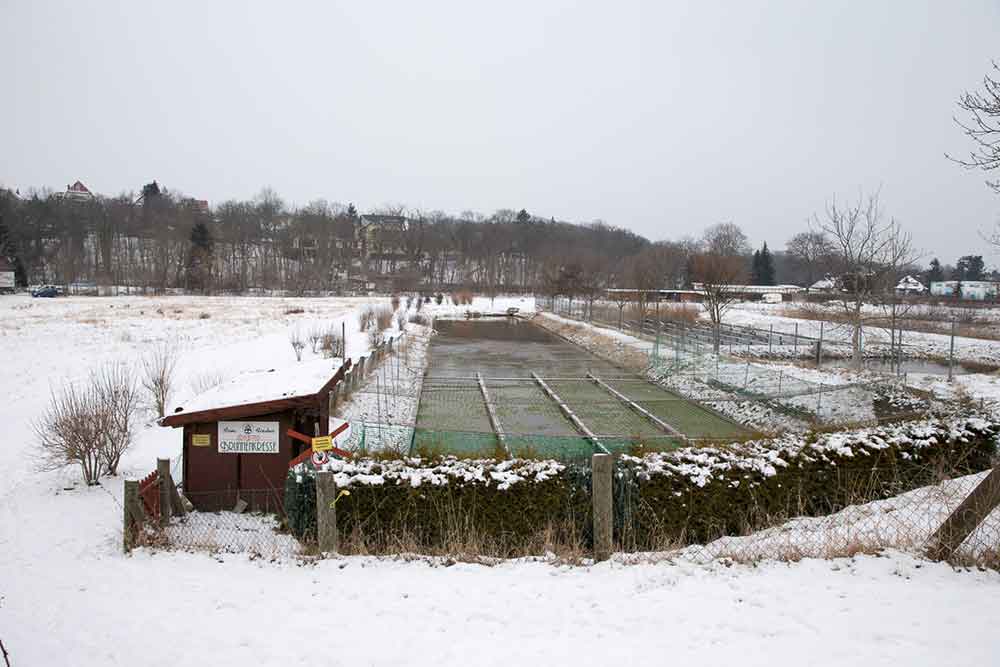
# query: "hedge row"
[695,495]
[689,495]
[504,507]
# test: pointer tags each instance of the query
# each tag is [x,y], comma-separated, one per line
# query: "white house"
[910,285]
[827,284]
[975,290]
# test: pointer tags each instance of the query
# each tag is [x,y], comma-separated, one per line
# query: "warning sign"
[201,440]
[322,444]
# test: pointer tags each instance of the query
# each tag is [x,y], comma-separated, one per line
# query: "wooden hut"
[236,441]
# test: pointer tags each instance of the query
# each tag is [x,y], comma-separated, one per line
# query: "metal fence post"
[819,347]
[951,352]
[326,512]
[601,479]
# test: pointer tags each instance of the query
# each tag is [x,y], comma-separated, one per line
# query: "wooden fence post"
[601,469]
[326,512]
[163,479]
[133,513]
[967,516]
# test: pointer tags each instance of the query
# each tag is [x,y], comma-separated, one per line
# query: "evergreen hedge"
[689,495]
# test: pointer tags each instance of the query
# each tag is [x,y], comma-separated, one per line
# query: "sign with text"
[201,440]
[248,437]
[323,443]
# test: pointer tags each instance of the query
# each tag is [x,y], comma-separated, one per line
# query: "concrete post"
[326,512]
[601,473]
[163,477]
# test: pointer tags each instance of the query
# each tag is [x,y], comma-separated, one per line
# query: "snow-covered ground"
[68,596]
[916,343]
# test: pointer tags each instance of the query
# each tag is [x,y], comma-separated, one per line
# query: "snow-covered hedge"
[696,494]
[430,503]
[693,494]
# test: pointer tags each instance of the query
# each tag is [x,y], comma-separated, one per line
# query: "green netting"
[689,418]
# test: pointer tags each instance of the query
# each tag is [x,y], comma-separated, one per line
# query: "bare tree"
[811,252]
[983,126]
[869,250]
[158,369]
[725,239]
[716,275]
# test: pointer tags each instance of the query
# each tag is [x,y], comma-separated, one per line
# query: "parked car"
[46,291]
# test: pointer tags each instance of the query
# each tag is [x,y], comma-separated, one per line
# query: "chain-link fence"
[245,521]
[906,522]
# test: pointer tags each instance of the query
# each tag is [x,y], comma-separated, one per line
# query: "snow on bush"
[436,472]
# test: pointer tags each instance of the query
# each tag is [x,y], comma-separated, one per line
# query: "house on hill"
[77,192]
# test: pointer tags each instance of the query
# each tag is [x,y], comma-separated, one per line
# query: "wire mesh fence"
[906,522]
[245,521]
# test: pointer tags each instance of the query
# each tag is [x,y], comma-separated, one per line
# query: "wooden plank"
[494,420]
[664,426]
[569,413]
[966,518]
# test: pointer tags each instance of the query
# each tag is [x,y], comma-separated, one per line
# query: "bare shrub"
[375,337]
[409,301]
[394,301]
[158,369]
[366,317]
[117,399]
[68,433]
[417,318]
[315,336]
[383,318]
[295,339]
[438,298]
[204,316]
[294,311]
[332,343]
[207,380]
[90,425]
[462,298]
[420,304]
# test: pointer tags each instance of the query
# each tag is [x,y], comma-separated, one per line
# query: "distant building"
[199,206]
[973,290]
[6,276]
[826,284]
[910,285]
[77,192]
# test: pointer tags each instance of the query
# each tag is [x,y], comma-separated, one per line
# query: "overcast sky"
[661,117]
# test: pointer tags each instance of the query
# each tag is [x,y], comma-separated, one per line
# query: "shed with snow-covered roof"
[236,435]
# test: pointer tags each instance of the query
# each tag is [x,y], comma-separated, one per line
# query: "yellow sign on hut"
[323,443]
[201,440]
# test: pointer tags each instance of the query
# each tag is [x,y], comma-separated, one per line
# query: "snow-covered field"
[916,343]
[68,596]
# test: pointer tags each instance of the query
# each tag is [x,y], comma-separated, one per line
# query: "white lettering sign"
[248,437]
